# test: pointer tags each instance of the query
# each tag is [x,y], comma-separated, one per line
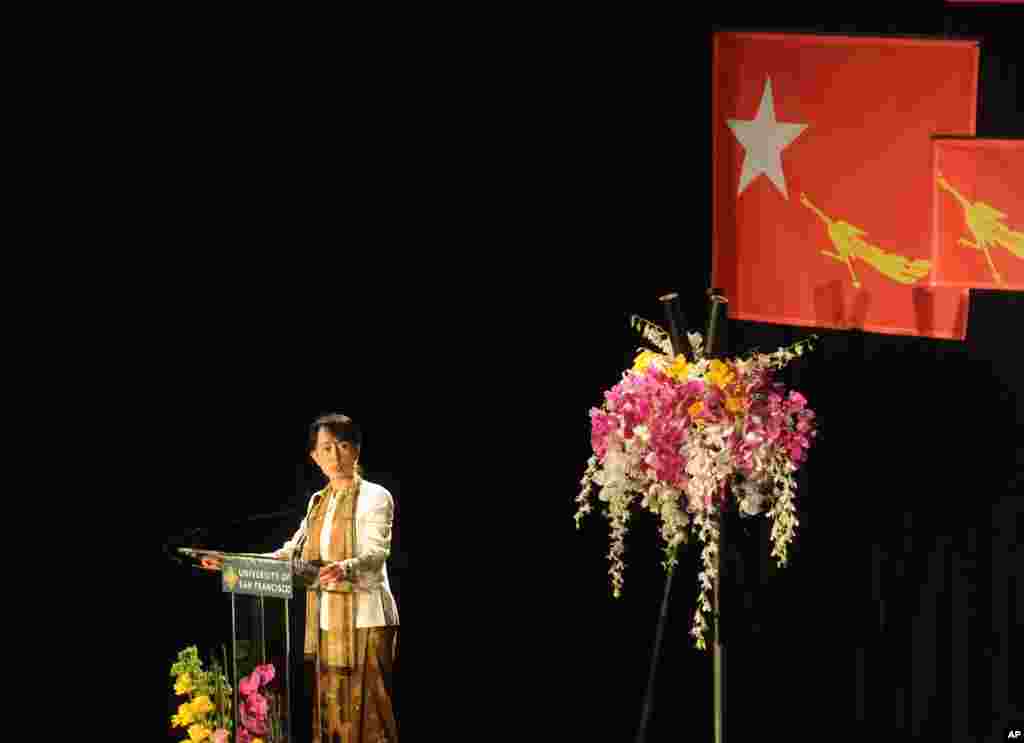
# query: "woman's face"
[335,458]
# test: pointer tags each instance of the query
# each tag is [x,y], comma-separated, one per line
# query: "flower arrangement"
[684,436]
[207,713]
[258,712]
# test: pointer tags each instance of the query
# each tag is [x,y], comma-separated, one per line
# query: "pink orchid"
[219,736]
[266,673]
[249,684]
[257,706]
[251,722]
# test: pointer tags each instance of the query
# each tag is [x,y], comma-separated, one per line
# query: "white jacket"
[375,513]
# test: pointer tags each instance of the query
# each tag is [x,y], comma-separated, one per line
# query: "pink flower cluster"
[772,420]
[253,709]
[776,420]
[656,401]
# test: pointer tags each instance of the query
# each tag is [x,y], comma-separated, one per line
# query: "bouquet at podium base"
[206,716]
[259,710]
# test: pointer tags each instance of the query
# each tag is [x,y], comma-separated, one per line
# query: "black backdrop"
[474,312]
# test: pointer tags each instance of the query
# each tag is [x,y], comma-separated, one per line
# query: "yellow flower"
[257,740]
[734,404]
[643,360]
[185,717]
[677,370]
[198,732]
[720,374]
[695,409]
[202,705]
[183,685]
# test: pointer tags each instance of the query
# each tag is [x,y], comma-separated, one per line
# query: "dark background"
[445,242]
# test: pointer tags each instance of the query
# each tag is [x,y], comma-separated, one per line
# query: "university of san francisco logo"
[230,578]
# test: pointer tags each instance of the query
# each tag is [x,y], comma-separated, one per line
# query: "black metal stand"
[716,317]
[287,728]
[234,663]
[670,302]
[718,314]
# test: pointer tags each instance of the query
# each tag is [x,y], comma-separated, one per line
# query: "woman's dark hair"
[343,428]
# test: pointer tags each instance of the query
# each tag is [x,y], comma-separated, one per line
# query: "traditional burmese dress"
[357,629]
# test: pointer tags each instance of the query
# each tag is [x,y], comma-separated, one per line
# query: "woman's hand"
[211,562]
[333,573]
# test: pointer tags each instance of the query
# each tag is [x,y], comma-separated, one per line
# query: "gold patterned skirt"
[355,704]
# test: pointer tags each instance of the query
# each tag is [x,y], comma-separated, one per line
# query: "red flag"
[822,188]
[979,213]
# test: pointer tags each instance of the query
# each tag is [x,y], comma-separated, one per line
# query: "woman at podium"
[347,526]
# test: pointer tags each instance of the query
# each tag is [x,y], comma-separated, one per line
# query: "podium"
[261,577]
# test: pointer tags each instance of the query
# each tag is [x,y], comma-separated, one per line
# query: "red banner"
[979,213]
[822,186]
